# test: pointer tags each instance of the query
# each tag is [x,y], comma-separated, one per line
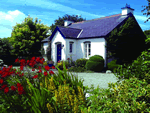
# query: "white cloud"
[8,20]
[74,2]
[51,5]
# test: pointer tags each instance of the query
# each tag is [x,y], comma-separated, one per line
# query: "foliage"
[60,64]
[77,69]
[64,100]
[112,65]
[81,62]
[45,64]
[32,95]
[131,95]
[60,21]
[5,54]
[27,36]
[95,63]
[147,8]
[124,35]
[147,34]
[138,68]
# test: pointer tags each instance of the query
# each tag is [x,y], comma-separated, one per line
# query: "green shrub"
[77,69]
[112,65]
[130,96]
[81,62]
[95,63]
[138,68]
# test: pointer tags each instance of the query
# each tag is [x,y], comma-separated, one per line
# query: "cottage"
[86,38]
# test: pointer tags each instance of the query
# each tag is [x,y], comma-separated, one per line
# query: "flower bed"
[61,93]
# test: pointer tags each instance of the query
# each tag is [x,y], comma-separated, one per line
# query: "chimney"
[126,10]
[67,22]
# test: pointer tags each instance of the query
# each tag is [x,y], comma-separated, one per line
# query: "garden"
[28,93]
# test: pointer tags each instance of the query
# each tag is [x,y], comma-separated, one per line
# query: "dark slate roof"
[69,32]
[99,27]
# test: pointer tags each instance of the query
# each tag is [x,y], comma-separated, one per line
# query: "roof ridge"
[98,18]
[69,27]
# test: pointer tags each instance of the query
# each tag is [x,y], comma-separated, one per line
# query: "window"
[87,49]
[71,47]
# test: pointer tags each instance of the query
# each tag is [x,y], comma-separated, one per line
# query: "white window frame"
[86,50]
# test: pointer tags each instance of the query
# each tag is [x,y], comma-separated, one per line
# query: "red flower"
[6,90]
[1,81]
[21,74]
[18,85]
[53,67]
[35,76]
[33,69]
[13,88]
[45,73]
[47,68]
[68,58]
[51,72]
[20,88]
[3,86]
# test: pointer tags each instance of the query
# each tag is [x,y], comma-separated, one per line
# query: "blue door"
[58,52]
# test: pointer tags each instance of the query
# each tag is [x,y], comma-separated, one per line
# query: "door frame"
[56,44]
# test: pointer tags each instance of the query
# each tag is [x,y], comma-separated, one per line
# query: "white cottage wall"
[58,38]
[97,48]
[74,53]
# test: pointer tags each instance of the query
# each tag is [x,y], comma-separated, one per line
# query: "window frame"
[86,49]
[71,49]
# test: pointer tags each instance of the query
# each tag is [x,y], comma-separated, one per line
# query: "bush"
[77,69]
[138,68]
[73,101]
[112,65]
[81,62]
[95,63]
[130,96]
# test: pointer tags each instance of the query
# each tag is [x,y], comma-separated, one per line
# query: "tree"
[26,37]
[5,54]
[60,21]
[148,10]
[123,42]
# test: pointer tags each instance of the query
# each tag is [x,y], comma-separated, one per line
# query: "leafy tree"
[26,37]
[5,54]
[126,42]
[148,9]
[60,21]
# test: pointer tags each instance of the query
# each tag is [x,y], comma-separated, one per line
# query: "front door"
[58,52]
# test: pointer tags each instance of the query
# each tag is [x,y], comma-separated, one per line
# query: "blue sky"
[15,11]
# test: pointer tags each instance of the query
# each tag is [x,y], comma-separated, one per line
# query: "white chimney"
[126,10]
[67,22]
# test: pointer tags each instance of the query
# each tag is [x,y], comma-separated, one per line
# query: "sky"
[15,11]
